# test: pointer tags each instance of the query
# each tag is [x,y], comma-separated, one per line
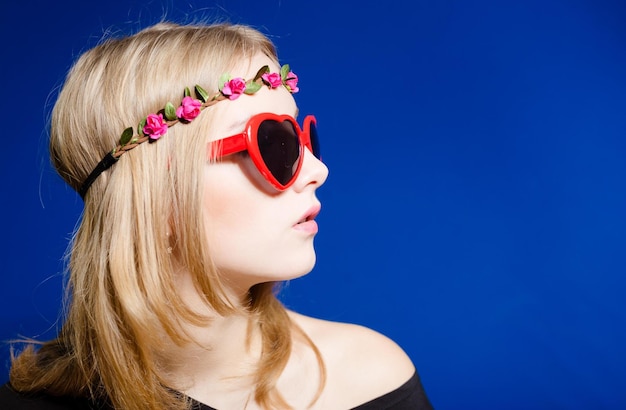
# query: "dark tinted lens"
[315,142]
[280,148]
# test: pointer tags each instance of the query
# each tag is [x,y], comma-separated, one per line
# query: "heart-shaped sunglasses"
[276,146]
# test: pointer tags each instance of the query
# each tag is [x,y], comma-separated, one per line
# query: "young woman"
[200,195]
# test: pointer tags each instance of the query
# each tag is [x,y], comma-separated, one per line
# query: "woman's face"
[253,230]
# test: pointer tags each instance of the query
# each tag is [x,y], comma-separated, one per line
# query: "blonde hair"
[121,288]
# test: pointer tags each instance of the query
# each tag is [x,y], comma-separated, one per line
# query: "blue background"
[475,209]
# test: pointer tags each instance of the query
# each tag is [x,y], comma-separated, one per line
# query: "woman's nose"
[313,172]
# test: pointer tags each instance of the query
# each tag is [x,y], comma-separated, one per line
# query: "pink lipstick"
[307,223]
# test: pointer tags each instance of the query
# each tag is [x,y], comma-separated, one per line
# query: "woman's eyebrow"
[237,126]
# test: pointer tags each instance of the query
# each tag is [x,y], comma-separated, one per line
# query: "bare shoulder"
[361,364]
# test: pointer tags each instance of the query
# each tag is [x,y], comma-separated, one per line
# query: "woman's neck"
[224,349]
[221,358]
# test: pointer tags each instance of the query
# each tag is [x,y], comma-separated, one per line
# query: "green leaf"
[170,111]
[201,93]
[126,136]
[142,124]
[223,79]
[252,87]
[187,92]
[262,70]
[284,72]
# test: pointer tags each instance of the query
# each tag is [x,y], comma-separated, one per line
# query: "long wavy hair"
[121,286]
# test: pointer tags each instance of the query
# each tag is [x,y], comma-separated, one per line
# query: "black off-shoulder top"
[409,396]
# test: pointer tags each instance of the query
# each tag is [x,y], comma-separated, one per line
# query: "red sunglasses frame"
[248,141]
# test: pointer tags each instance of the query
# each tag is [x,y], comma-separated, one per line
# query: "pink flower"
[189,109]
[272,79]
[292,82]
[155,127]
[234,88]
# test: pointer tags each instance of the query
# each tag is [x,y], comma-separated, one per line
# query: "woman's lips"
[309,226]
[307,222]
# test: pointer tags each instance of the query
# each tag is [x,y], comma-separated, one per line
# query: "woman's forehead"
[232,117]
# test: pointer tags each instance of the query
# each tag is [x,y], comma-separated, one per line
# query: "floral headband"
[154,126]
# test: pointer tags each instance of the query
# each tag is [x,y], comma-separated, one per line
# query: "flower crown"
[154,126]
